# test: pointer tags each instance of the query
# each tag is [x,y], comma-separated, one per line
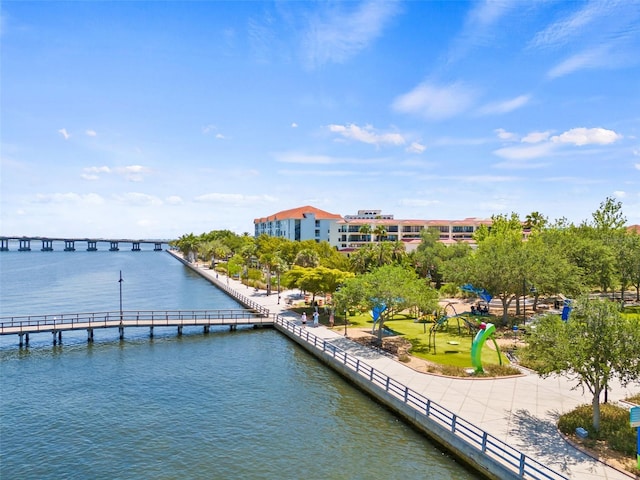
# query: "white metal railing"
[130,318]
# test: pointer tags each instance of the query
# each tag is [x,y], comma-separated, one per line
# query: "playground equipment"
[375,315]
[487,330]
[448,313]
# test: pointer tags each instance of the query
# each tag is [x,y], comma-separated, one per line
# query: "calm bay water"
[248,404]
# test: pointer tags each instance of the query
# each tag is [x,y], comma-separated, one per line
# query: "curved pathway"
[521,411]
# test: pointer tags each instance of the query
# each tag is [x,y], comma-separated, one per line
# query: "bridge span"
[56,324]
[24,243]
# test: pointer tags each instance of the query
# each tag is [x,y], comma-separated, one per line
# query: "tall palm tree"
[366,230]
[380,232]
[307,258]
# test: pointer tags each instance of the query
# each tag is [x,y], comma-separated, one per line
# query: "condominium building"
[354,231]
[351,232]
[302,223]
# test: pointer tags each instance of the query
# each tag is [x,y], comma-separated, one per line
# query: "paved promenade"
[520,411]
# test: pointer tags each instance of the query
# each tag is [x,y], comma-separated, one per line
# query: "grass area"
[452,344]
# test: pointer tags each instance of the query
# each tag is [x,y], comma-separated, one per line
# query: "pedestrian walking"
[304,319]
[316,317]
[331,319]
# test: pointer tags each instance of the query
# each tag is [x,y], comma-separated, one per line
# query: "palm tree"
[187,245]
[365,230]
[307,258]
[380,232]
[535,220]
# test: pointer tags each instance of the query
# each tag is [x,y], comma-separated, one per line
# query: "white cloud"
[480,26]
[504,135]
[220,136]
[234,199]
[435,102]
[619,194]
[505,106]
[335,35]
[416,147]
[560,32]
[541,144]
[536,137]
[367,134]
[417,202]
[66,135]
[208,129]
[294,125]
[69,198]
[595,58]
[93,173]
[587,136]
[91,133]
[139,199]
[524,152]
[133,173]
[174,200]
[302,158]
[637,165]
[321,173]
[103,169]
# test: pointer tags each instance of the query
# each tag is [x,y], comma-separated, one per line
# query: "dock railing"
[131,318]
[487,444]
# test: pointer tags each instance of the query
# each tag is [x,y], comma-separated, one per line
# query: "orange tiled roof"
[299,213]
[634,228]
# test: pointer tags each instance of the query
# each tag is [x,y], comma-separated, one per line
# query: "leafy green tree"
[498,264]
[547,269]
[627,261]
[315,280]
[609,216]
[394,286]
[431,256]
[596,345]
[634,264]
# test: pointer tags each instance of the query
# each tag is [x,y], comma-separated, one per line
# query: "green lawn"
[452,345]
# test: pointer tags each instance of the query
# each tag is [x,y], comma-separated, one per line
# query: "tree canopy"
[596,345]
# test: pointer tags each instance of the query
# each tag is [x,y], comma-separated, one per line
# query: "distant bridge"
[23,326]
[24,243]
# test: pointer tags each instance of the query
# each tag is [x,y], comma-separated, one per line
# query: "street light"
[532,289]
[120,282]
[345,322]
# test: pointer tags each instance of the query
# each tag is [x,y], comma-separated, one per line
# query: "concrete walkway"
[520,411]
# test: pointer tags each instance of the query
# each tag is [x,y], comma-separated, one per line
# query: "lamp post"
[345,322]
[120,282]
[228,270]
[524,301]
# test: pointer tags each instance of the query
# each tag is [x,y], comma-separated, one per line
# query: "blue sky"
[155,119]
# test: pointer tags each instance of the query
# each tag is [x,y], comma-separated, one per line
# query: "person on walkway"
[316,317]
[304,319]
[331,319]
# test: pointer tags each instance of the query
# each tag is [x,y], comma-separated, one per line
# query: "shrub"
[501,370]
[614,426]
